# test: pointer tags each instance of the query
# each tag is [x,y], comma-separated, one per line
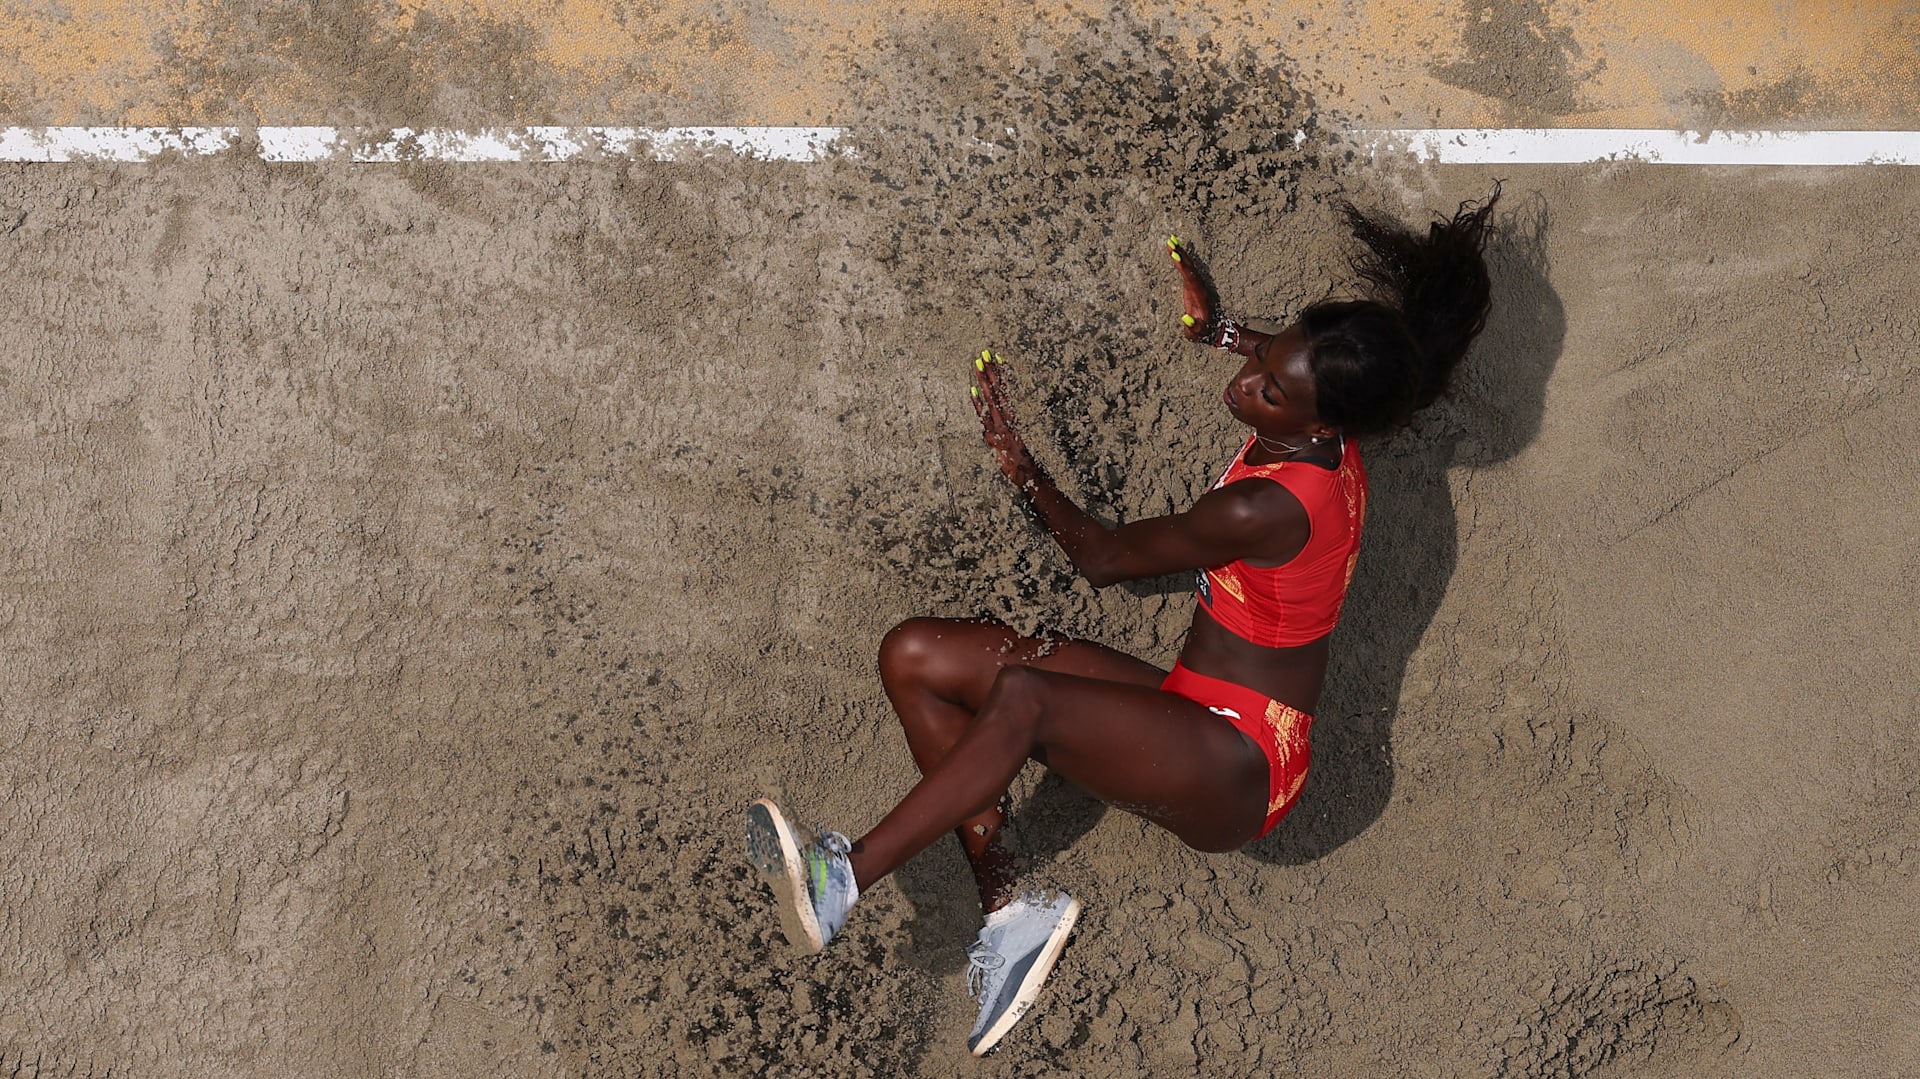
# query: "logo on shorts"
[1206,589]
[1227,712]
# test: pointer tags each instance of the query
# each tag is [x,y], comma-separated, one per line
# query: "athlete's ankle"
[995,895]
[863,877]
[995,877]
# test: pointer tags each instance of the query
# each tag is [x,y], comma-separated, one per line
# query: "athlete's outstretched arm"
[1242,520]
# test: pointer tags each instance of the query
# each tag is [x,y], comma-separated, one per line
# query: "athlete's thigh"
[963,656]
[1164,757]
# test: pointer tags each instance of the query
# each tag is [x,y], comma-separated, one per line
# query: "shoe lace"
[982,961]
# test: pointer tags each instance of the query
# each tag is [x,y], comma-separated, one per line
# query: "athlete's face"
[1273,392]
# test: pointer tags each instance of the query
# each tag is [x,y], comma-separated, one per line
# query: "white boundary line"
[309,144]
[1447,146]
[1558,146]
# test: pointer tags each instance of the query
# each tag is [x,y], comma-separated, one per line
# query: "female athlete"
[1216,751]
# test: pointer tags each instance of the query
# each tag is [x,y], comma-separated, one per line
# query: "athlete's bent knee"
[909,649]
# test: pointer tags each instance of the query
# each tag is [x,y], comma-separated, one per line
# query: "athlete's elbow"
[1103,571]
[1100,557]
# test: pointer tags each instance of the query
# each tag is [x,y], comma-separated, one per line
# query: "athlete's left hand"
[996,421]
[1195,294]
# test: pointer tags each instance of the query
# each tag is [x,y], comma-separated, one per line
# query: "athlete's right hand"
[996,422]
[1197,321]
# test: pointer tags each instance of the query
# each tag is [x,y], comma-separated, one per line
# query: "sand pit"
[414,571]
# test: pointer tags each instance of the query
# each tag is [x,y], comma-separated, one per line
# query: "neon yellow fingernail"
[1176,256]
[979,365]
[986,354]
[1173,241]
[1187,319]
[975,390]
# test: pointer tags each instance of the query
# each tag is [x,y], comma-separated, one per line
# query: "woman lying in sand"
[1215,752]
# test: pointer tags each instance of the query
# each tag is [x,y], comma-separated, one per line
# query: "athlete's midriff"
[1294,674]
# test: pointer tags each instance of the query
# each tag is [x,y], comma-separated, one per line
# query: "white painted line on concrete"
[308,144]
[567,143]
[1447,146]
[108,143]
[1553,146]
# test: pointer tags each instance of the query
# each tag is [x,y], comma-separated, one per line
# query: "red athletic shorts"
[1280,732]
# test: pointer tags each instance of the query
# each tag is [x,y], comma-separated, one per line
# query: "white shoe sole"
[775,851]
[1029,987]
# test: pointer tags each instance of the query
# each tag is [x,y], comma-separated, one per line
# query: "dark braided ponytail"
[1379,360]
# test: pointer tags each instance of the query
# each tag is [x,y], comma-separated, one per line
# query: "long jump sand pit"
[413,571]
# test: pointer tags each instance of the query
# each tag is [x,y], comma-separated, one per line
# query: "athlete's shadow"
[1411,543]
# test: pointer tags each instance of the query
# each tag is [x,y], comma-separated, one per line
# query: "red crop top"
[1299,600]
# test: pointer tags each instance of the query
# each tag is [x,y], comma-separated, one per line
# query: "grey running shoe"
[809,872]
[1013,956]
